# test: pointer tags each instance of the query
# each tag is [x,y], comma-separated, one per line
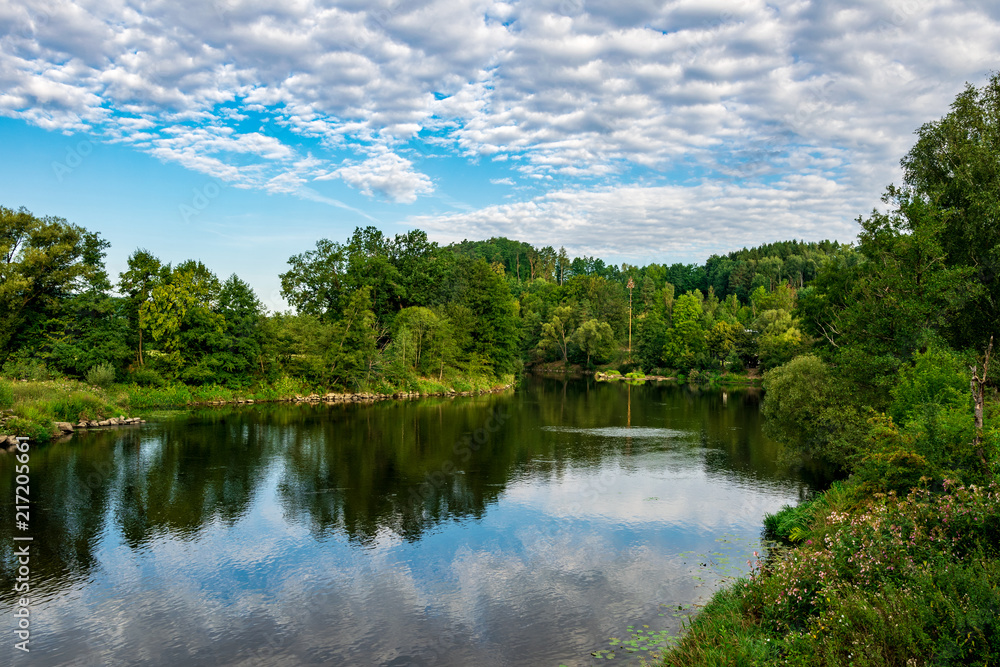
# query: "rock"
[93,423]
[65,427]
[82,424]
[104,422]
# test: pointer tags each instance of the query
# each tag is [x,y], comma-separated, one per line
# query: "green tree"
[136,285]
[953,168]
[595,339]
[424,339]
[242,355]
[496,327]
[354,346]
[87,330]
[651,339]
[315,282]
[557,332]
[301,342]
[43,261]
[685,340]
[719,341]
[780,337]
[180,317]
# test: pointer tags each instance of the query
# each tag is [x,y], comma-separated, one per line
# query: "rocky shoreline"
[360,397]
[8,442]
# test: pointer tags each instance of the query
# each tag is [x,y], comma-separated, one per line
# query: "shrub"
[27,369]
[101,375]
[30,428]
[146,377]
[809,411]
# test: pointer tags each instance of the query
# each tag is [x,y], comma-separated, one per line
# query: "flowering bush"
[896,581]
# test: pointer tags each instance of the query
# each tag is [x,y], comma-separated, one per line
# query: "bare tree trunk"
[978,386]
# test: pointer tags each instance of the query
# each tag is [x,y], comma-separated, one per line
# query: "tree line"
[378,309]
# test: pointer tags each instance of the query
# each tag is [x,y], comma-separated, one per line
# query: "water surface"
[525,528]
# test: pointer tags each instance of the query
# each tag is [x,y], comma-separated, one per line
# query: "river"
[523,528]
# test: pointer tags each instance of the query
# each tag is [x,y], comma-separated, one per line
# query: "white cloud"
[385,174]
[585,91]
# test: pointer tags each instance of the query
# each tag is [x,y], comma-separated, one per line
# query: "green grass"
[35,405]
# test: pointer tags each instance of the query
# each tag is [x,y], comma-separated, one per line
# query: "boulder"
[65,427]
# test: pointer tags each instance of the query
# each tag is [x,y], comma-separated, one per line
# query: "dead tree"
[978,385]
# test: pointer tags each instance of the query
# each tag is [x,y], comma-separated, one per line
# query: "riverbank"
[864,581]
[39,409]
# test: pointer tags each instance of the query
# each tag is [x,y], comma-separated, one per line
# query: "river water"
[524,528]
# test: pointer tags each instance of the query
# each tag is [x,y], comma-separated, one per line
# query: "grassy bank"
[30,408]
[877,580]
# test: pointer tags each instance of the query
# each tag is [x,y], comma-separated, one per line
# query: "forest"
[375,311]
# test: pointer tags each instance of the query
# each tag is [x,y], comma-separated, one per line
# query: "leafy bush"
[808,409]
[792,523]
[25,368]
[146,377]
[287,387]
[937,378]
[101,375]
[31,428]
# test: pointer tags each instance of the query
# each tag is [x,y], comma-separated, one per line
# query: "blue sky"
[239,132]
